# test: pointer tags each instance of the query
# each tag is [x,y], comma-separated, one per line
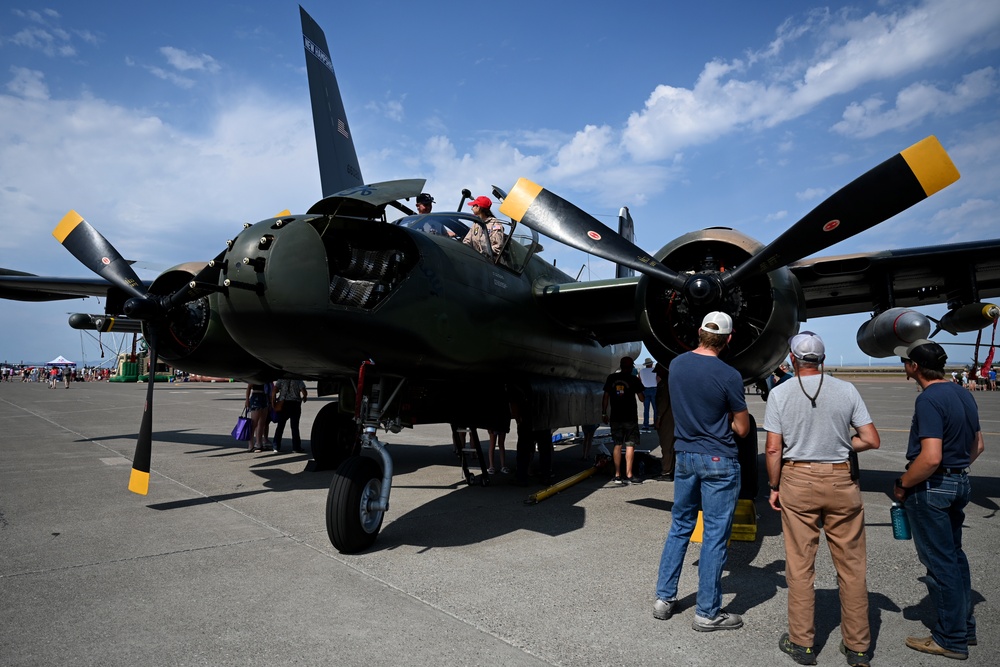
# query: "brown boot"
[928,645]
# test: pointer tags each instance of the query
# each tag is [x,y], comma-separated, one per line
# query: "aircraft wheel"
[351,526]
[333,438]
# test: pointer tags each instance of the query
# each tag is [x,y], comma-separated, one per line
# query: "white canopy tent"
[61,361]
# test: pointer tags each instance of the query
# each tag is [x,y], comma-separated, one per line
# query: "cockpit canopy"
[520,242]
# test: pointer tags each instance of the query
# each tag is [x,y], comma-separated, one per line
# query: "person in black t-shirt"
[621,390]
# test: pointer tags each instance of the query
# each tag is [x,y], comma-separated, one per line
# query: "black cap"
[925,353]
[424,198]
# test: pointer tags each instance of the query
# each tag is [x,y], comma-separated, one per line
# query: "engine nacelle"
[882,334]
[194,339]
[766,309]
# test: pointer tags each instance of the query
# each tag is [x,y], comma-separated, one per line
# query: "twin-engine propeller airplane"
[406,325]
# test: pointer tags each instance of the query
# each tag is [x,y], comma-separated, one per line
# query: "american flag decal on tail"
[342,128]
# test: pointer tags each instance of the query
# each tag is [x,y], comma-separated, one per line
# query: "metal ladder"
[470,448]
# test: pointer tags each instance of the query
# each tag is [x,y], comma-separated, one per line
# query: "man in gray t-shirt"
[809,445]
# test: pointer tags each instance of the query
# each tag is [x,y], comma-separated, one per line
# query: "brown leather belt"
[835,466]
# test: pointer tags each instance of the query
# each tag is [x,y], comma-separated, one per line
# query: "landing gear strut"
[359,493]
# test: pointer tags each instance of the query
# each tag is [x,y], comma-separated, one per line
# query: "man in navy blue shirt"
[707,399]
[945,438]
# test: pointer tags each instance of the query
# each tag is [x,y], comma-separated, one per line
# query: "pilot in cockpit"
[482,207]
[424,203]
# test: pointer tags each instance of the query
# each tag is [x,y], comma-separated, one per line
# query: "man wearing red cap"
[482,207]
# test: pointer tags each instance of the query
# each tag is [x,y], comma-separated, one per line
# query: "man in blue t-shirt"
[945,438]
[707,399]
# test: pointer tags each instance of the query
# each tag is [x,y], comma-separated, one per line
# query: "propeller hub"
[703,290]
[142,308]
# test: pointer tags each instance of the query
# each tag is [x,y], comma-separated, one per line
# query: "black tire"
[334,437]
[349,524]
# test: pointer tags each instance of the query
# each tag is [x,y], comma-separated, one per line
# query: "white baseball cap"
[719,319]
[807,346]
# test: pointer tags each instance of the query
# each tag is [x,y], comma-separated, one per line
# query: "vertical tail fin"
[338,160]
[627,231]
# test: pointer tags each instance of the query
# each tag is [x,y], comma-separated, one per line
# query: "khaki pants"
[815,496]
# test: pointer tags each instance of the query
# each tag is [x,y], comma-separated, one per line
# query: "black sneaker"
[803,655]
[618,481]
[634,480]
[856,658]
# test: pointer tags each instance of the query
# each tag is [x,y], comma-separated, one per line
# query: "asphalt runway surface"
[227,560]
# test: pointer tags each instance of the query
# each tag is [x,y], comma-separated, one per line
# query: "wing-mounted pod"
[970,317]
[882,334]
[766,308]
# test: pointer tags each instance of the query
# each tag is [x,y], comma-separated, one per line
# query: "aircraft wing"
[21,286]
[604,309]
[834,285]
[909,277]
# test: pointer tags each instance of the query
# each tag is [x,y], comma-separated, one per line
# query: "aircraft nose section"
[278,266]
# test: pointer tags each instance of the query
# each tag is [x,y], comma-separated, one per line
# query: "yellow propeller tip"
[520,198]
[139,482]
[930,163]
[67,225]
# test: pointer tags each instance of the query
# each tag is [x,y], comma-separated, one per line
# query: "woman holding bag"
[256,403]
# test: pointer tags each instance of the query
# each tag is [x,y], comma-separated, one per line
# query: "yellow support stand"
[744,523]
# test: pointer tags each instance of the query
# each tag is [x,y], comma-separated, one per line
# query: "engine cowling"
[766,309]
[193,337]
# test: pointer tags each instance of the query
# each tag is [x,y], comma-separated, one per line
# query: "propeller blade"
[890,188]
[139,479]
[555,217]
[96,253]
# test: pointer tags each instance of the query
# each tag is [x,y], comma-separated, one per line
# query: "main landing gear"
[359,493]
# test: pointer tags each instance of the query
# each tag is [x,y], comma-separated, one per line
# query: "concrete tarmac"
[227,560]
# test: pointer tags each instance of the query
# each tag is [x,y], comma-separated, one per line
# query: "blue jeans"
[712,484]
[936,510]
[650,400]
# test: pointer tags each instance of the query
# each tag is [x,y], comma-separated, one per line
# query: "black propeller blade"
[93,250]
[555,217]
[97,254]
[890,188]
[138,481]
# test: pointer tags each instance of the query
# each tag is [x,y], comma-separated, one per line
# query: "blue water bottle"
[900,523]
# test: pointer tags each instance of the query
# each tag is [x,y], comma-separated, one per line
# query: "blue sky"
[168,125]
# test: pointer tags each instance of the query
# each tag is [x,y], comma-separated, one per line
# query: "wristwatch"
[773,487]
[899,483]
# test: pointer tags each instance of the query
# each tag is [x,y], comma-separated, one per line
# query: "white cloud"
[392,109]
[848,53]
[154,190]
[50,42]
[914,103]
[185,61]
[27,83]
[172,77]
[591,148]
[810,194]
